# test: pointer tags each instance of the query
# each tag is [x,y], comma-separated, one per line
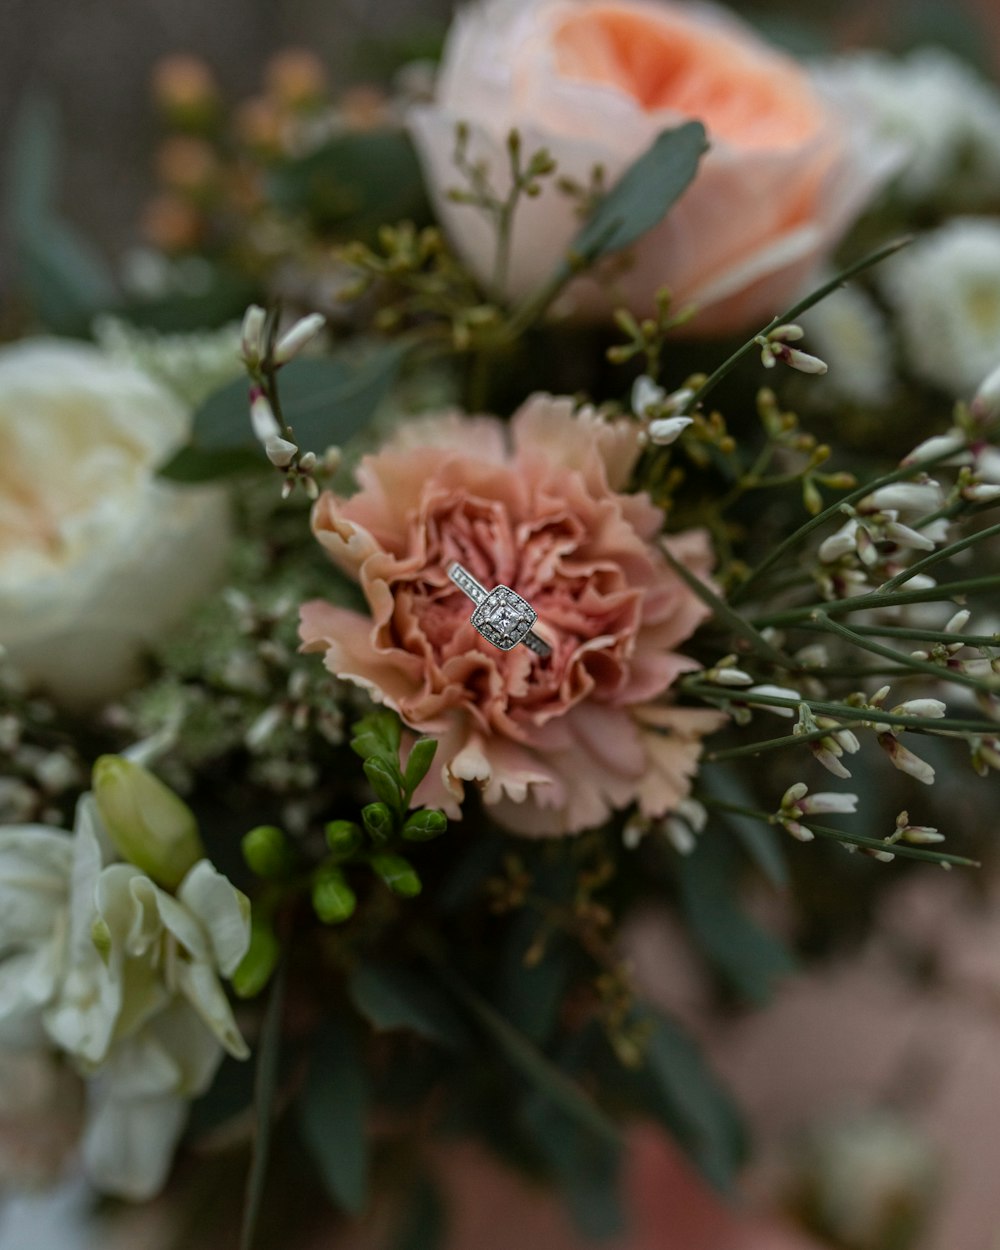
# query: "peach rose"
[555,744]
[594,82]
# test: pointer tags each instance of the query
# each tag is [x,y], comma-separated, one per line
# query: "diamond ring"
[501,616]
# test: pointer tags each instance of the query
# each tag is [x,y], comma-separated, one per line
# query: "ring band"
[501,616]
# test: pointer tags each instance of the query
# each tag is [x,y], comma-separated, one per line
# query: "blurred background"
[94,58]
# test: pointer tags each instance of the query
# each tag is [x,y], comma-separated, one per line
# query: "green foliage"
[64,278]
[404,998]
[397,873]
[268,852]
[353,184]
[260,961]
[265,1093]
[748,958]
[641,198]
[325,401]
[332,1115]
[333,899]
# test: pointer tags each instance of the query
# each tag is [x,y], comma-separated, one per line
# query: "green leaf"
[397,873]
[354,183]
[65,278]
[550,1080]
[259,962]
[333,899]
[378,822]
[332,1114]
[687,1097]
[418,762]
[378,735]
[760,841]
[384,781]
[401,998]
[530,996]
[750,959]
[587,1168]
[265,1090]
[640,199]
[424,825]
[424,1225]
[325,401]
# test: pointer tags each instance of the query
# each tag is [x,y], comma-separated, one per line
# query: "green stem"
[936,671]
[916,635]
[724,613]
[838,835]
[839,711]
[865,603]
[768,744]
[935,557]
[790,314]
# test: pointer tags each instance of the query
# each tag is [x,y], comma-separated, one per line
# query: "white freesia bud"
[986,402]
[904,497]
[252,335]
[841,543]
[773,692]
[262,418]
[958,622]
[666,430]
[292,342]
[921,707]
[680,835]
[280,451]
[905,760]
[904,536]
[981,492]
[150,826]
[788,333]
[308,462]
[931,448]
[723,676]
[646,394]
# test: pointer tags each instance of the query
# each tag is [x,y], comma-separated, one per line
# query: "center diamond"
[503,618]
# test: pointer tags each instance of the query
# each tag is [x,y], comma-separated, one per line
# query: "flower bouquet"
[487,517]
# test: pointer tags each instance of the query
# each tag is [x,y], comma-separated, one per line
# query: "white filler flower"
[98,557]
[945,290]
[99,963]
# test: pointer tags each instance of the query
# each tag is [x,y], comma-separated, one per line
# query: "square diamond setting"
[503,618]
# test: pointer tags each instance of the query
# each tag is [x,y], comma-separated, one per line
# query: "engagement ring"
[501,616]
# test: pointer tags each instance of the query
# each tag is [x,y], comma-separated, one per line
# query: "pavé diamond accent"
[504,618]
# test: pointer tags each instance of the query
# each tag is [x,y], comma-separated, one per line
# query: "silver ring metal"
[501,616]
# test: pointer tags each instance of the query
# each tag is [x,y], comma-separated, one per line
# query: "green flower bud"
[267,852]
[423,825]
[259,962]
[343,837]
[333,899]
[378,821]
[149,825]
[397,873]
[384,780]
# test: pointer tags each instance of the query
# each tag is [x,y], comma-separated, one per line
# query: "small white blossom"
[940,445]
[773,692]
[905,760]
[667,430]
[280,451]
[252,334]
[262,418]
[301,333]
[921,707]
[986,401]
[904,497]
[841,543]
[646,395]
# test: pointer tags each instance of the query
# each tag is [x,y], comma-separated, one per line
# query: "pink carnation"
[554,744]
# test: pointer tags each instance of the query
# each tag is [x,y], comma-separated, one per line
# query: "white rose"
[98,558]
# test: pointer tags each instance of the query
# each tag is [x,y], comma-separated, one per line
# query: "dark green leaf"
[424,1224]
[401,998]
[192,464]
[265,1090]
[688,1098]
[354,183]
[640,199]
[418,762]
[760,841]
[325,401]
[586,1167]
[332,1113]
[529,997]
[259,962]
[531,1063]
[749,958]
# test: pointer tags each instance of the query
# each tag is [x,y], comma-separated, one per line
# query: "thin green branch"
[865,603]
[935,557]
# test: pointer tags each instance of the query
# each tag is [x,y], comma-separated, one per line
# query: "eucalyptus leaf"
[332,1114]
[325,400]
[402,998]
[530,996]
[749,958]
[641,198]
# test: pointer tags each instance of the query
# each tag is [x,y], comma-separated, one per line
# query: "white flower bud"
[841,543]
[280,451]
[262,418]
[666,430]
[904,496]
[905,760]
[774,692]
[986,401]
[252,334]
[728,677]
[931,448]
[981,492]
[293,340]
[646,394]
[958,622]
[921,707]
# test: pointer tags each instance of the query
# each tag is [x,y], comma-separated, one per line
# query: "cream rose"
[594,82]
[97,557]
